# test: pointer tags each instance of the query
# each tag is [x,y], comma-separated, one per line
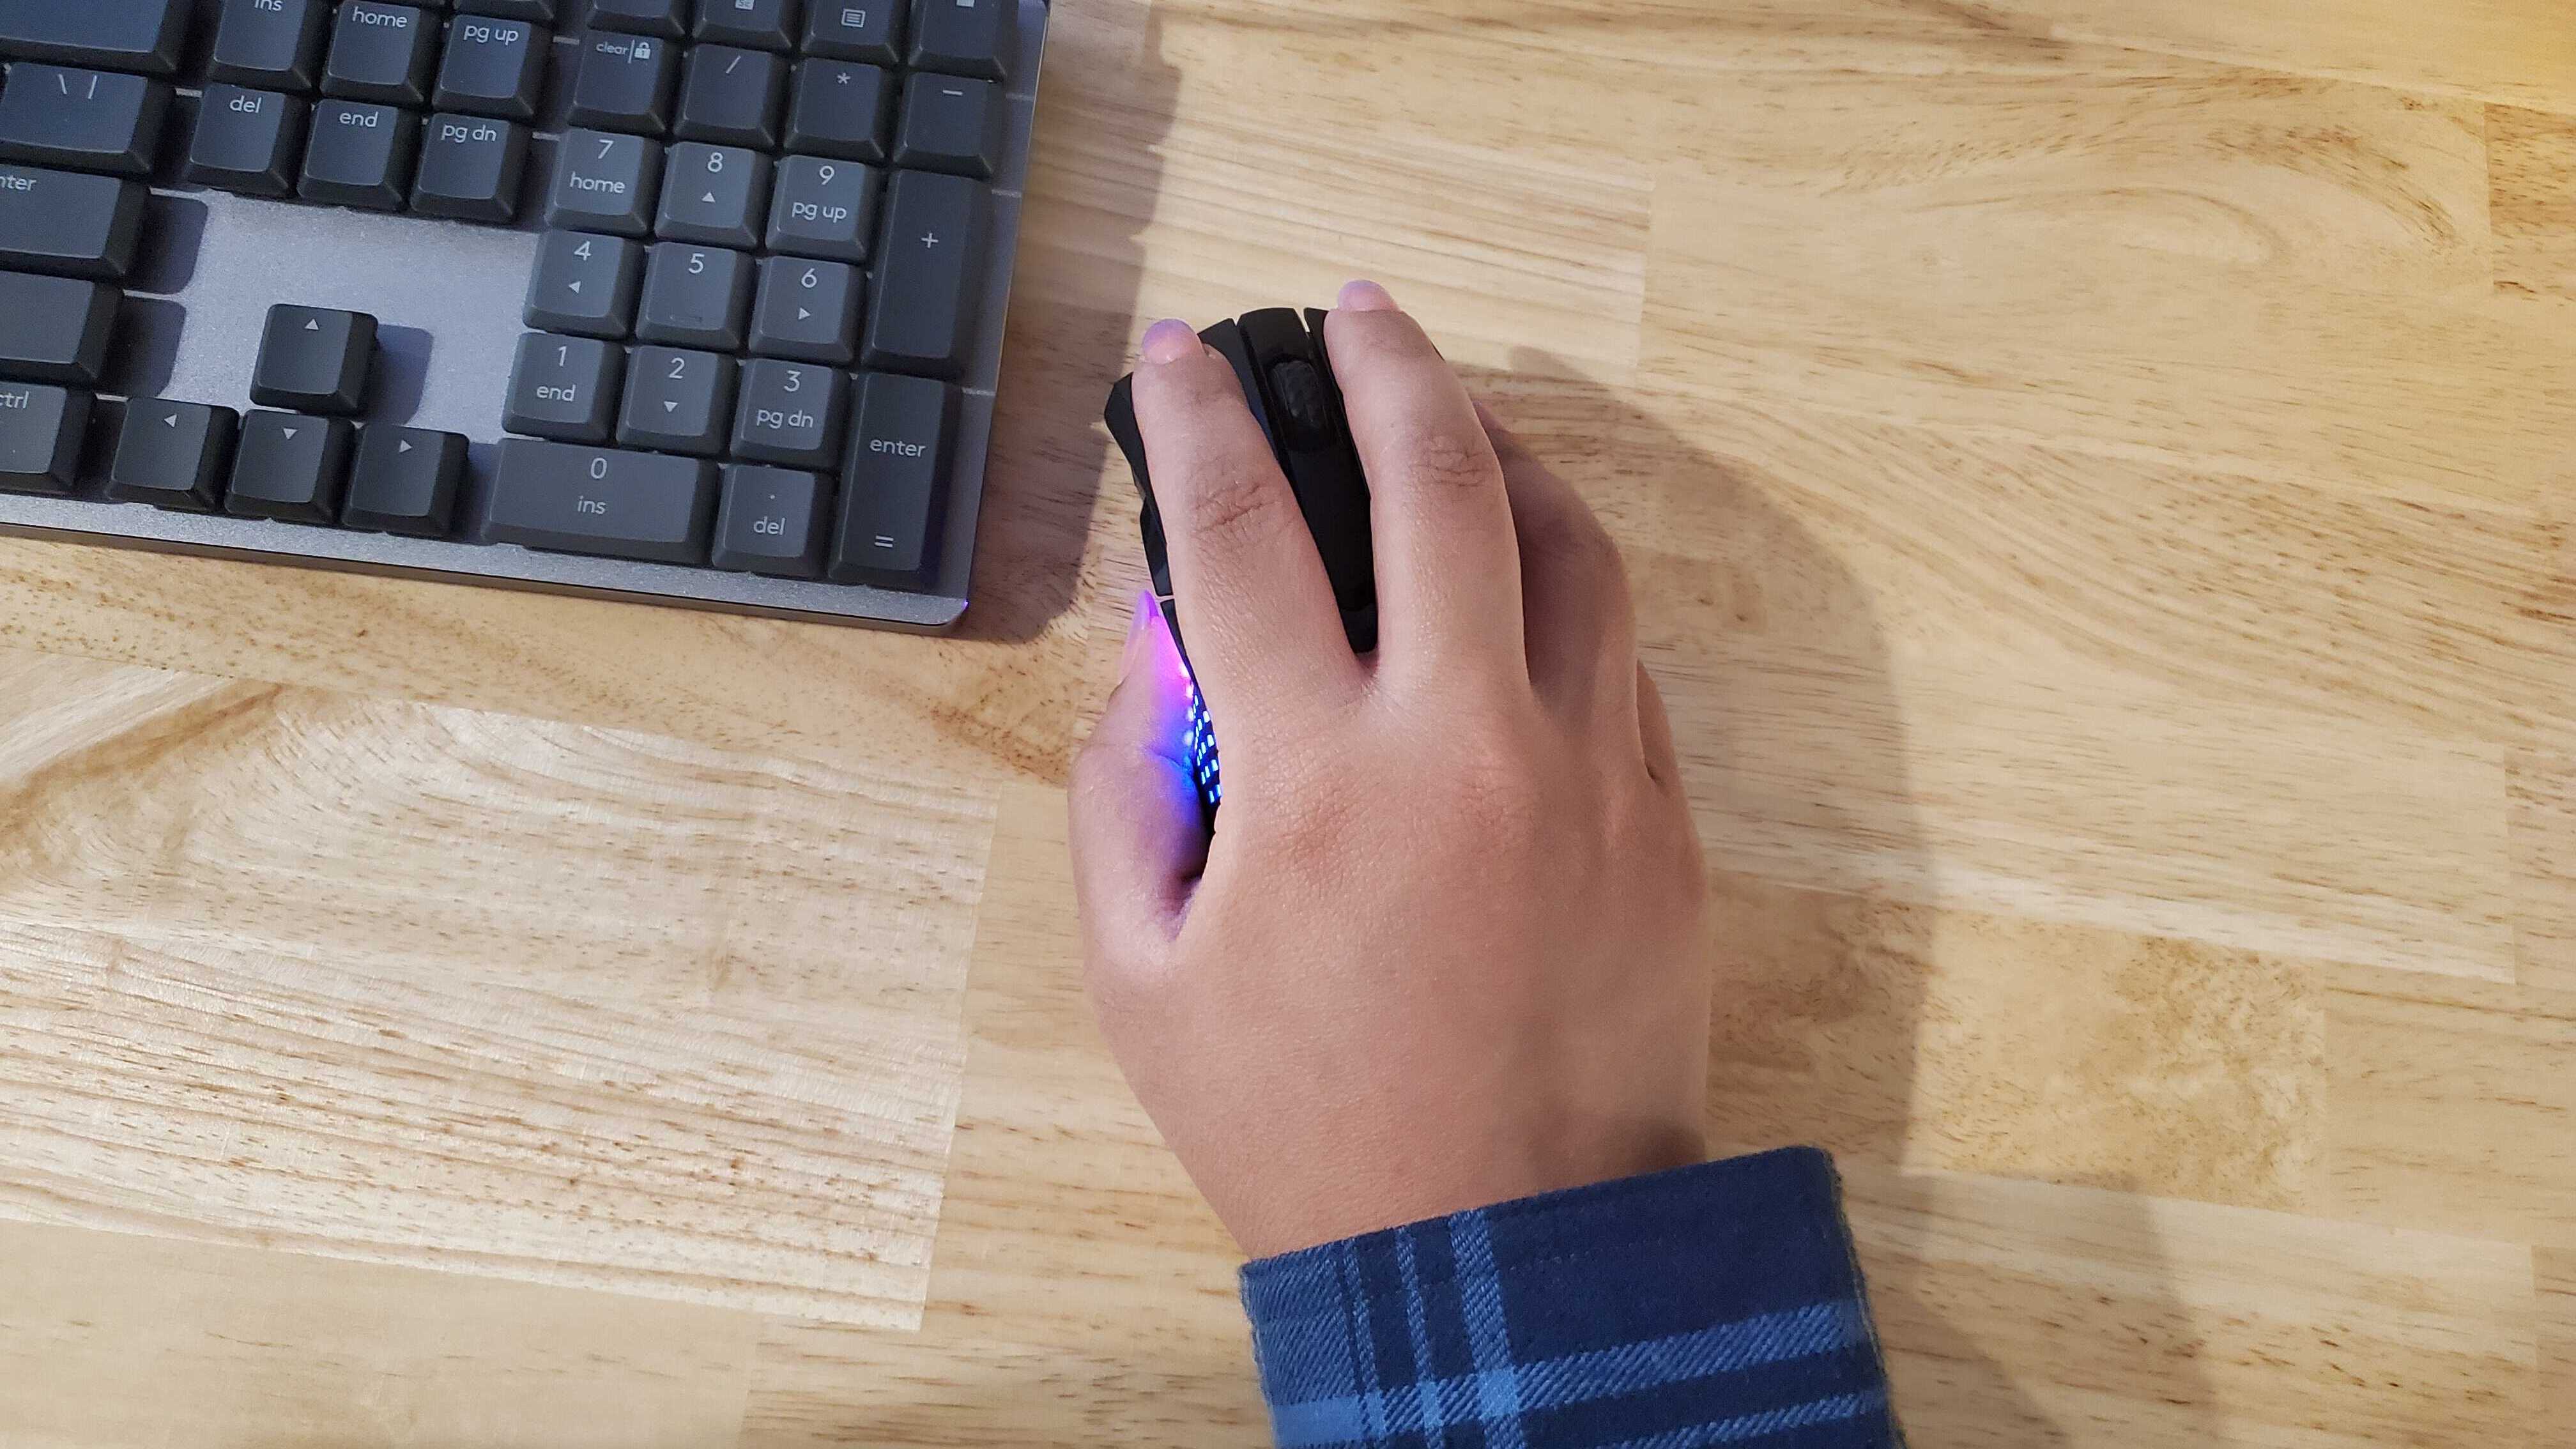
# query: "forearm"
[1709,1305]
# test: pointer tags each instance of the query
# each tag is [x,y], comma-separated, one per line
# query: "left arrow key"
[173,454]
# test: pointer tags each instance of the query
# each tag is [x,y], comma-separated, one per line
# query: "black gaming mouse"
[1288,381]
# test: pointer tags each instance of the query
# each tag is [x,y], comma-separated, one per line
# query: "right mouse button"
[1303,408]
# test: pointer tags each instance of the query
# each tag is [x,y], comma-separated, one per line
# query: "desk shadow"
[1793,748]
[1095,170]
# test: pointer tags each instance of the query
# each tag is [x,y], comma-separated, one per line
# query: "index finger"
[1257,613]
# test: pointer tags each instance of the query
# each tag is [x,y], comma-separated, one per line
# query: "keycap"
[142,35]
[928,284]
[807,310]
[759,24]
[714,194]
[381,52]
[246,141]
[542,12]
[666,18]
[677,401]
[360,155]
[290,467]
[695,297]
[41,432]
[55,329]
[493,68]
[404,481]
[314,360]
[470,168]
[564,388]
[825,209]
[605,182]
[730,97]
[68,224]
[839,109]
[269,45]
[789,413]
[626,83]
[863,30]
[85,119]
[601,501]
[585,285]
[771,522]
[950,123]
[895,482]
[966,37]
[173,455]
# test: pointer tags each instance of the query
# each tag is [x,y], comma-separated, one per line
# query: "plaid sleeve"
[1717,1304]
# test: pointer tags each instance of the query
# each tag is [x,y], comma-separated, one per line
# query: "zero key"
[314,360]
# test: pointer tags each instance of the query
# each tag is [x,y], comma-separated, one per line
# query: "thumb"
[1138,839]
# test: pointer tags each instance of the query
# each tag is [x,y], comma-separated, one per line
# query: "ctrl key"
[40,437]
[172,454]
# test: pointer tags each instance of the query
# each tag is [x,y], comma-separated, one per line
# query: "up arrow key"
[311,325]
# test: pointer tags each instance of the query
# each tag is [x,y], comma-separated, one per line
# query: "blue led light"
[1198,746]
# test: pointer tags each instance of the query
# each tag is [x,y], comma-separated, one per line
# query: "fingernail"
[1137,632]
[1365,297]
[1170,340]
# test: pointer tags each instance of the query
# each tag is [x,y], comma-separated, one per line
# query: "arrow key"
[585,285]
[677,401]
[172,454]
[290,467]
[718,195]
[314,359]
[405,481]
[808,311]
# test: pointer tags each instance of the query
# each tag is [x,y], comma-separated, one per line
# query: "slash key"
[93,120]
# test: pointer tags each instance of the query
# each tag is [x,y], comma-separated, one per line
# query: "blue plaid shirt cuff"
[1717,1304]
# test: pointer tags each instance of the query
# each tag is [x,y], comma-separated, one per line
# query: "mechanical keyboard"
[689,301]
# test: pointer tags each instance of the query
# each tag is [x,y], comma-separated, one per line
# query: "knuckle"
[1496,787]
[1447,460]
[1231,503]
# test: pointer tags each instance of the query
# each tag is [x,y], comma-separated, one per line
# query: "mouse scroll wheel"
[1299,391]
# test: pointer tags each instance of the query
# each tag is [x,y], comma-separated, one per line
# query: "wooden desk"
[2098,475]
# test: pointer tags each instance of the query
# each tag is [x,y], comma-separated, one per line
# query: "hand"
[1444,948]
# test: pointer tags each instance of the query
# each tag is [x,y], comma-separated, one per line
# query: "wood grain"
[2100,485]
[2557,1280]
[110,1338]
[404,983]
